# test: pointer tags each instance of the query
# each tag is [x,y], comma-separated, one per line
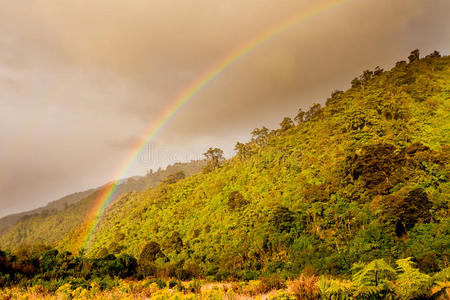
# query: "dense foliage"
[50,208]
[362,178]
[357,190]
[55,275]
[53,222]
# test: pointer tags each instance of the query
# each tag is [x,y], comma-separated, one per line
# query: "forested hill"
[364,177]
[51,207]
[51,223]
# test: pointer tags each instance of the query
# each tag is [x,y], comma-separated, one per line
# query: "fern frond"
[411,283]
[441,290]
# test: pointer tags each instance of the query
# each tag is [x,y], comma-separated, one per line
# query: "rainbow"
[107,193]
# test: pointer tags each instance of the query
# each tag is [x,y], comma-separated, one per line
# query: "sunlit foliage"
[353,194]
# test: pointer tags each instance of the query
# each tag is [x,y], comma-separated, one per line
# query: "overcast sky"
[81,81]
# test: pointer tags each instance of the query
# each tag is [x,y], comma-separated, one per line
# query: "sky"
[81,81]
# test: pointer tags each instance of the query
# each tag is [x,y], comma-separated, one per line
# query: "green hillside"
[364,177]
[49,224]
[349,202]
[51,207]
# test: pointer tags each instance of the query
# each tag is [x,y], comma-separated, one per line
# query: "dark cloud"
[81,82]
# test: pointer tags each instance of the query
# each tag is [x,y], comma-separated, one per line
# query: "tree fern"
[441,290]
[335,289]
[441,285]
[372,274]
[372,280]
[411,283]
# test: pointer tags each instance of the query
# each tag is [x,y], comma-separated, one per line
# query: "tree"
[372,273]
[115,248]
[411,284]
[214,157]
[376,166]
[172,178]
[151,251]
[400,64]
[286,124]
[415,55]
[367,75]
[47,260]
[406,211]
[149,254]
[355,82]
[299,118]
[336,97]
[236,200]
[125,265]
[378,71]
[434,54]
[102,252]
[260,136]
[282,219]
[175,242]
[119,236]
[313,111]
[372,279]
[82,252]
[243,150]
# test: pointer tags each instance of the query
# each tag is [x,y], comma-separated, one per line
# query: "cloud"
[80,81]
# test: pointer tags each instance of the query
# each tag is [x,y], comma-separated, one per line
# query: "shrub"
[173,283]
[148,255]
[183,274]
[236,201]
[125,265]
[270,283]
[194,287]
[150,252]
[282,219]
[161,284]
[334,288]
[305,287]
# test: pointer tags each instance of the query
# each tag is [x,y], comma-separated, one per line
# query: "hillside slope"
[362,178]
[51,223]
[59,204]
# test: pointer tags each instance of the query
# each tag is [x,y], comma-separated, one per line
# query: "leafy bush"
[269,283]
[173,283]
[305,287]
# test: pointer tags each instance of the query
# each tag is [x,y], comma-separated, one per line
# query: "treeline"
[52,272]
[39,265]
[52,268]
[403,74]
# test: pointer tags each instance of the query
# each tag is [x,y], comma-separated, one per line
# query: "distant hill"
[51,207]
[50,223]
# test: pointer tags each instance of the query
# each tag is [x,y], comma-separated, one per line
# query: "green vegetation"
[355,196]
[57,275]
[53,222]
[365,177]
[50,208]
